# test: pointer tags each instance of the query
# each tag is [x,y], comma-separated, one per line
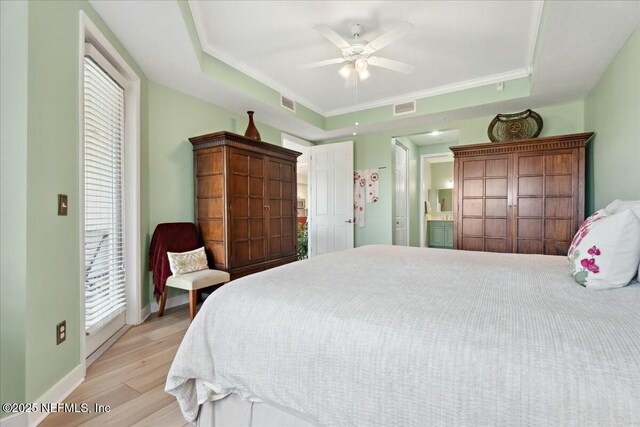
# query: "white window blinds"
[104,257]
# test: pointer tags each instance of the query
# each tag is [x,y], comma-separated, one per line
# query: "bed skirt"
[232,411]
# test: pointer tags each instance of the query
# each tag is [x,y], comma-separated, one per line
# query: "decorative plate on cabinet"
[508,127]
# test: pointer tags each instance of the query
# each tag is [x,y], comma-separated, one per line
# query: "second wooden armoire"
[523,196]
[245,202]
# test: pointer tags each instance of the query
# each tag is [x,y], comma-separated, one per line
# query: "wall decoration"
[508,127]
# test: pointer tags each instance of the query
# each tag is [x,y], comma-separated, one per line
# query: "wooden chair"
[192,282]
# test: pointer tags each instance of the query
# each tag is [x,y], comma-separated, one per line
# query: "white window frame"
[130,81]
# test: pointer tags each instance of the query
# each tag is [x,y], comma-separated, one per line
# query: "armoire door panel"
[558,229]
[558,185]
[472,207]
[558,207]
[240,163]
[559,163]
[496,207]
[530,165]
[287,206]
[256,186]
[473,188]
[473,169]
[496,187]
[240,206]
[496,245]
[530,186]
[287,190]
[555,247]
[529,206]
[495,227]
[472,227]
[240,228]
[256,167]
[529,246]
[473,243]
[529,228]
[496,168]
[240,185]
[281,209]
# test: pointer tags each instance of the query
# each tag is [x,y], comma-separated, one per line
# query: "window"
[104,225]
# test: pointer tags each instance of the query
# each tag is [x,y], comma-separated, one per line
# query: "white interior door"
[400,229]
[331,198]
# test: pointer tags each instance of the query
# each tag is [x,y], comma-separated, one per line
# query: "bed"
[399,336]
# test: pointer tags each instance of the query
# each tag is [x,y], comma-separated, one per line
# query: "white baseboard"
[173,301]
[56,394]
[15,420]
[146,312]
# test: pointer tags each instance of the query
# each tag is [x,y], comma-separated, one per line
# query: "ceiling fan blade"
[332,36]
[391,64]
[389,37]
[322,63]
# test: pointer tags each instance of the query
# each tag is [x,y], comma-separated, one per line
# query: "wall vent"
[404,108]
[288,103]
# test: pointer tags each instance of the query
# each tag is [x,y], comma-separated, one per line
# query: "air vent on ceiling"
[288,103]
[404,108]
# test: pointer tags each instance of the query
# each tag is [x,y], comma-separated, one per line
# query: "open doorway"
[436,200]
[302,179]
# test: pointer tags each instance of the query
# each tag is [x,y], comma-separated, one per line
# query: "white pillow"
[187,262]
[620,205]
[606,250]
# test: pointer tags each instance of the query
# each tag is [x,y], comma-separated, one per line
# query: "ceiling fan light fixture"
[363,74]
[361,64]
[345,71]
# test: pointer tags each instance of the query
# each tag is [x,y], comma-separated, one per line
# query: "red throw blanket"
[169,237]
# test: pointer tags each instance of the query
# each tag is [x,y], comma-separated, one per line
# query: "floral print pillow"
[605,251]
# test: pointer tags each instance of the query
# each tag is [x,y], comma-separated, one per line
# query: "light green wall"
[49,162]
[173,118]
[13,197]
[612,110]
[376,150]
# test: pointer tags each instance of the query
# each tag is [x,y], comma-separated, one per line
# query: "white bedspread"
[396,336]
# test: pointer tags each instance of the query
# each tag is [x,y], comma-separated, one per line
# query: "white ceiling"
[454,42]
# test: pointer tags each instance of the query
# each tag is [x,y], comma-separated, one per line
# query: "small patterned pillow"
[187,262]
[605,252]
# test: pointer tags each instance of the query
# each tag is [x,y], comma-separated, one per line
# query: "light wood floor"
[130,378]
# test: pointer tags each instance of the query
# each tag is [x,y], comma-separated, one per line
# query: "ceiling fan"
[358,55]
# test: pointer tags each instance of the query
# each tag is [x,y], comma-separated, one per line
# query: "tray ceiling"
[454,45]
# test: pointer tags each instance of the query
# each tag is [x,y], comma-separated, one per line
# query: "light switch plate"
[62,204]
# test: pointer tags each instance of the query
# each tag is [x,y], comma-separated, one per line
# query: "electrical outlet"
[61,332]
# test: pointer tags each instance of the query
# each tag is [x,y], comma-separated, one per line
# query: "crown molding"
[440,90]
[538,8]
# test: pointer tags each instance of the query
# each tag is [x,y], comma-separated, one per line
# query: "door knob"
[349,221]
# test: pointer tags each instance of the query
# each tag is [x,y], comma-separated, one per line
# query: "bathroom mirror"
[445,199]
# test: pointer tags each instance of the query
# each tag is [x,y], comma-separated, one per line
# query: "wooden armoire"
[245,202]
[524,196]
